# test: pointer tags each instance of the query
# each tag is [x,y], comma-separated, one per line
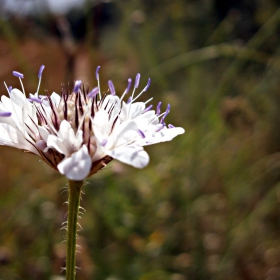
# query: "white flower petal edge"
[165,134]
[133,155]
[9,136]
[77,166]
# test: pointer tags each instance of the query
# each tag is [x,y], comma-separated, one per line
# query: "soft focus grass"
[207,206]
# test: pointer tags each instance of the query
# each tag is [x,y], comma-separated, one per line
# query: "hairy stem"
[74,196]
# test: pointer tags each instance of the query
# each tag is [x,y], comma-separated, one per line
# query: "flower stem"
[74,195]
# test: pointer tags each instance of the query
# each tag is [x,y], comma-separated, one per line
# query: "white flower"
[79,132]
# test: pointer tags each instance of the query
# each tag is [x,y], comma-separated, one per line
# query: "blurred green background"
[208,204]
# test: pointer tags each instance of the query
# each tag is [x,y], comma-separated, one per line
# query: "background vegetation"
[208,204]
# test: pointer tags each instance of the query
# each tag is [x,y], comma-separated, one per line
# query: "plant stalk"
[74,195]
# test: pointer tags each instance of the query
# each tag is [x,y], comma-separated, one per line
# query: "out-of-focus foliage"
[208,204]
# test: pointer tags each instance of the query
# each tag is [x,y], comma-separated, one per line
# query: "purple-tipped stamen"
[158,108]
[34,98]
[141,133]
[77,86]
[43,97]
[129,100]
[160,127]
[171,126]
[137,80]
[10,88]
[148,85]
[147,109]
[128,86]
[104,142]
[18,74]
[111,87]
[166,113]
[5,114]
[41,71]
[93,92]
[97,72]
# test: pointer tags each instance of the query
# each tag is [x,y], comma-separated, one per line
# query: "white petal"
[101,123]
[66,132]
[9,136]
[22,111]
[58,144]
[18,97]
[111,101]
[77,166]
[55,98]
[148,118]
[126,133]
[132,155]
[44,133]
[66,142]
[16,118]
[136,109]
[165,134]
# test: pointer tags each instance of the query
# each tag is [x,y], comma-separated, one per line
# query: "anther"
[128,86]
[111,87]
[141,133]
[93,93]
[148,85]
[41,71]
[97,72]
[18,74]
[166,113]
[158,109]
[77,86]
[98,82]
[5,114]
[147,109]
[160,127]
[137,80]
[34,98]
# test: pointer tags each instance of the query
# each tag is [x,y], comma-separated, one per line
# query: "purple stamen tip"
[77,86]
[168,109]
[18,74]
[148,85]
[93,92]
[10,88]
[104,142]
[111,87]
[128,86]
[171,126]
[158,108]
[97,72]
[166,113]
[141,133]
[129,100]
[160,127]
[34,98]
[43,96]
[5,114]
[137,80]
[147,109]
[41,71]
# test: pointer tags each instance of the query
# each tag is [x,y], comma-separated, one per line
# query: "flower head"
[80,131]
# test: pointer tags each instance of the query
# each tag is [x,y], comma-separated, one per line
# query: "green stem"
[74,196]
